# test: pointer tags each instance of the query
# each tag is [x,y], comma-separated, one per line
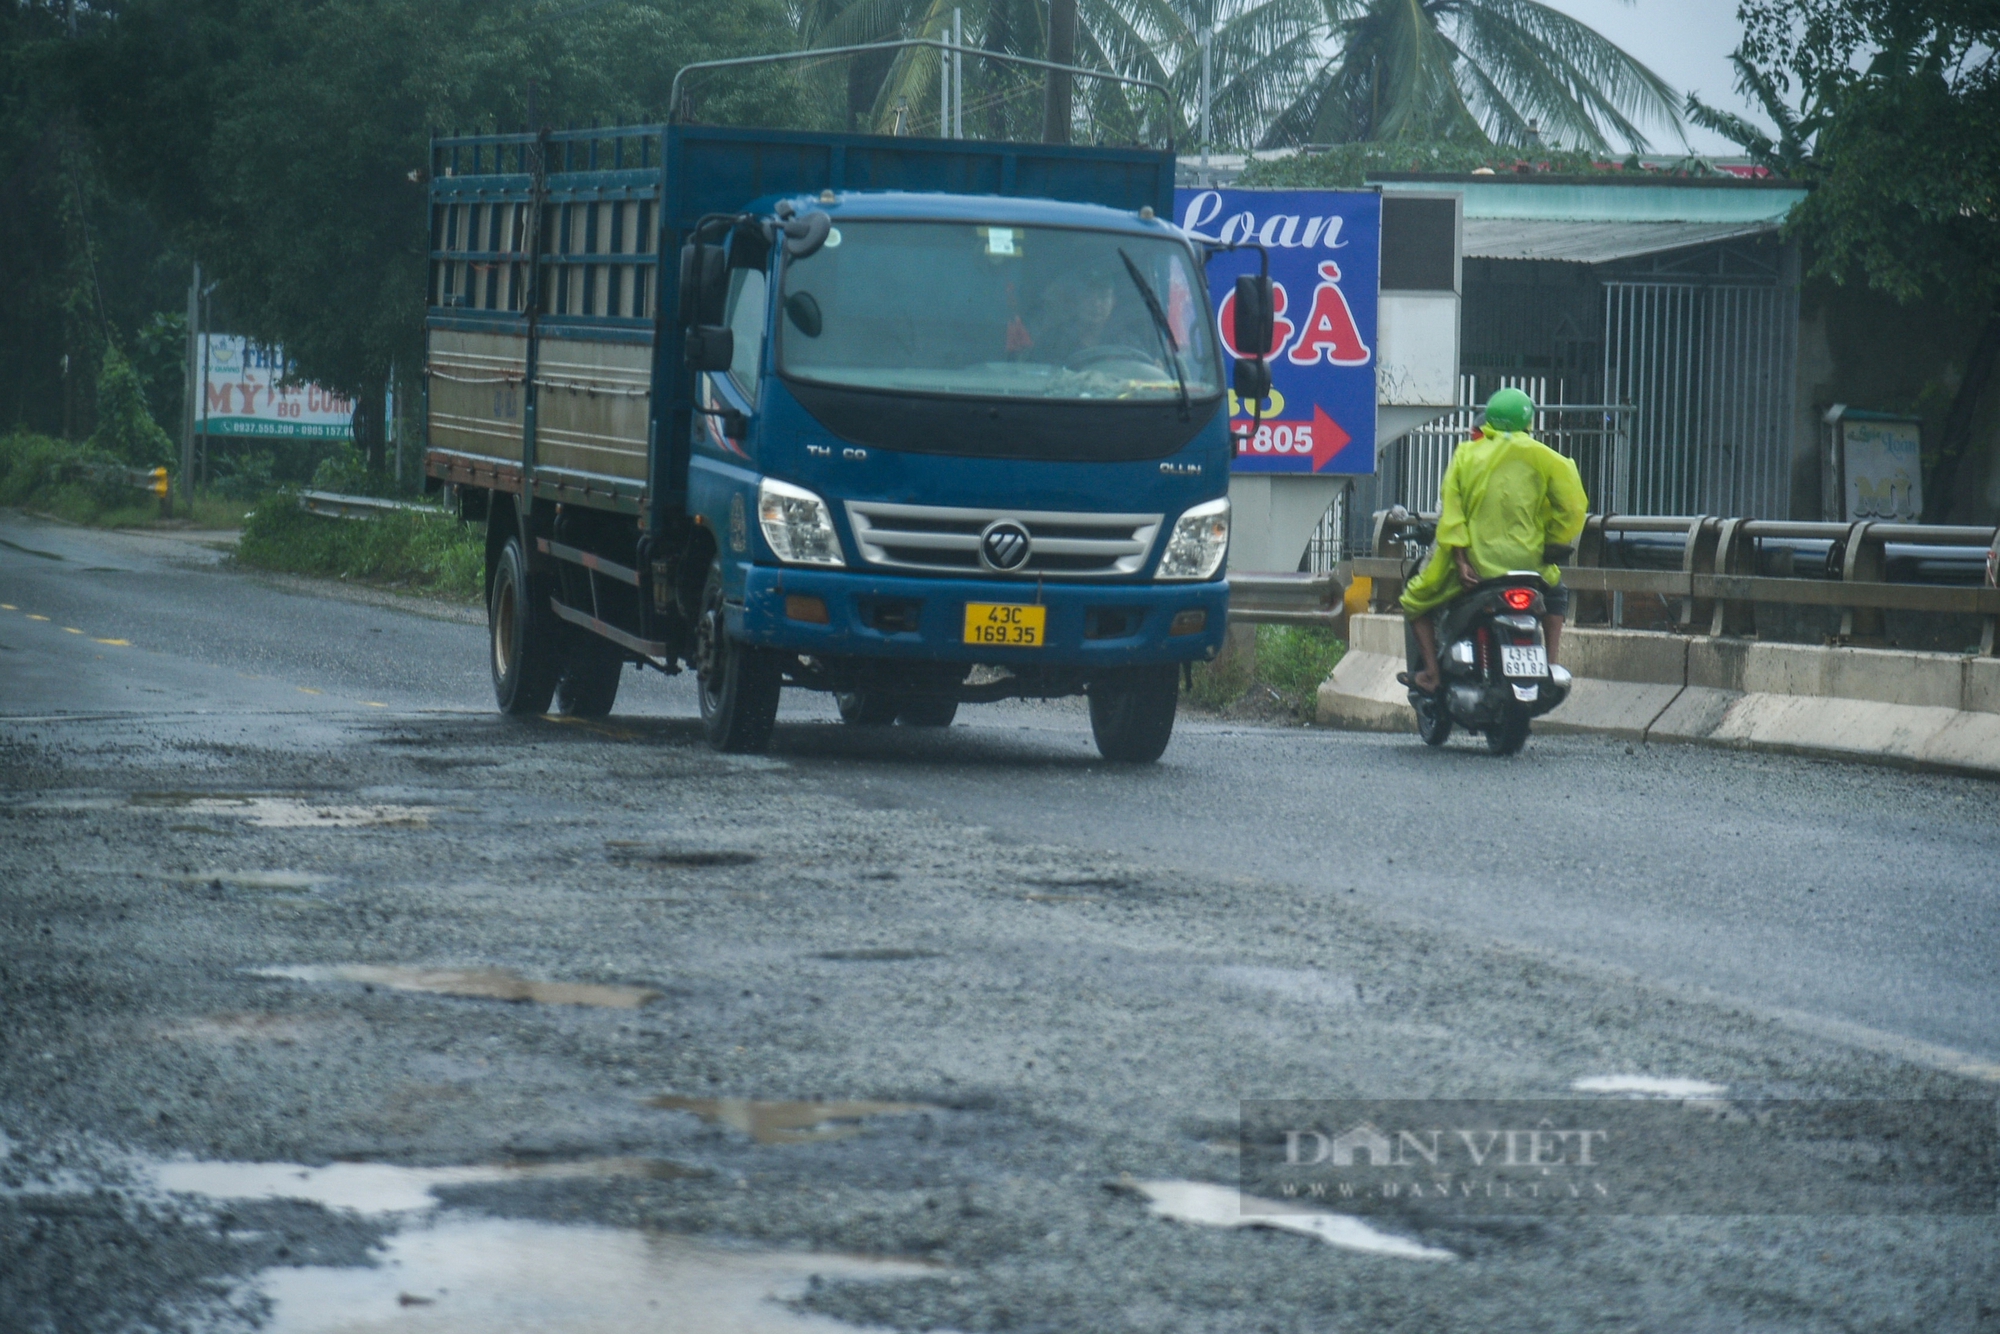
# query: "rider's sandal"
[1404,678]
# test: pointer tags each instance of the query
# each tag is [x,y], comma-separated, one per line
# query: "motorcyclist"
[1507,499]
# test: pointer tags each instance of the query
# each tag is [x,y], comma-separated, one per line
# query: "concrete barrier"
[1926,710]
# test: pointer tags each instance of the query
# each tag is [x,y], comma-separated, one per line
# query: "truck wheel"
[525,635]
[739,684]
[591,667]
[927,711]
[1132,713]
[867,708]
[1510,735]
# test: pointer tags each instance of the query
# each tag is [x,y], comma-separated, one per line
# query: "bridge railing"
[1711,573]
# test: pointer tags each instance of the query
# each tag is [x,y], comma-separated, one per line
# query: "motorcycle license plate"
[1008,623]
[1524,660]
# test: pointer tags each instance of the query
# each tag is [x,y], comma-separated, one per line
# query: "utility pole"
[1207,42]
[944,94]
[958,74]
[194,390]
[1062,51]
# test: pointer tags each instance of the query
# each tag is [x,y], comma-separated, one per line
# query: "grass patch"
[425,552]
[1291,662]
[83,484]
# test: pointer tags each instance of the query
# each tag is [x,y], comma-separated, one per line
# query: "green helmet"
[1510,410]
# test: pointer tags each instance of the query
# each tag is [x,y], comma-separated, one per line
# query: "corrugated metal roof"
[1594,242]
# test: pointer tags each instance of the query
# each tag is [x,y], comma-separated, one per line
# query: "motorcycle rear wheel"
[1511,735]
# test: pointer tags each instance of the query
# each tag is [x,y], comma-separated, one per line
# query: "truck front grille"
[942,540]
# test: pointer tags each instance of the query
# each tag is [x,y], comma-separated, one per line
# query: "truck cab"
[963,439]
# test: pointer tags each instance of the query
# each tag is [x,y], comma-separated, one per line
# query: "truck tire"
[525,635]
[1132,713]
[923,710]
[591,667]
[867,708]
[738,683]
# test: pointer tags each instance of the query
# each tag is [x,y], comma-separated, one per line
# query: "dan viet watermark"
[1594,1156]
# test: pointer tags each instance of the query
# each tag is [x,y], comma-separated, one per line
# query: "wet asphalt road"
[1060,976]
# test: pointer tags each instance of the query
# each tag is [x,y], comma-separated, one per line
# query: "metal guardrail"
[1717,585]
[332,505]
[1287,599]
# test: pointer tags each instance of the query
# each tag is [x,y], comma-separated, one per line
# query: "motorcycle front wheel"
[1433,719]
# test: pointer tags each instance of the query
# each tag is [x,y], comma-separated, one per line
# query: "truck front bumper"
[918,619]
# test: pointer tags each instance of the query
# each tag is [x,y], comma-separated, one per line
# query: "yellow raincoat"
[1506,497]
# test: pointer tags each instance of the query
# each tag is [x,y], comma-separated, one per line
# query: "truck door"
[744,314]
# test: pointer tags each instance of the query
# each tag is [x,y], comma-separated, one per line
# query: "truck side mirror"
[710,347]
[1251,380]
[1254,314]
[704,284]
[804,236]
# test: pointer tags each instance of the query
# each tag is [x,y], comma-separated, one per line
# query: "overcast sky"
[1685,42]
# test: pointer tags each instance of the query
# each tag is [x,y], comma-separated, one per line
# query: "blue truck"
[918,422]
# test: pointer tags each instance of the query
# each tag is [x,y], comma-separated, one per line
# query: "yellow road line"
[374,704]
[308,690]
[120,643]
[33,617]
[8,606]
[72,630]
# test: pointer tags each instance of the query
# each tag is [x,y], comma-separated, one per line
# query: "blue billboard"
[1326,249]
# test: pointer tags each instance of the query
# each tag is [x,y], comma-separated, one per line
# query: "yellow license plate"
[1011,624]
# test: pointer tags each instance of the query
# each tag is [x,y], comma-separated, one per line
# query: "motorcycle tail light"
[1520,599]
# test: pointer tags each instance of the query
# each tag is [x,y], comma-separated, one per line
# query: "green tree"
[1897,127]
[1509,72]
[124,426]
[283,142]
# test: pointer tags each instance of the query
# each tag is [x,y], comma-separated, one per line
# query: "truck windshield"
[999,312]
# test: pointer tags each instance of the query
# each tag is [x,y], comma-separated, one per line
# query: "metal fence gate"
[1709,369]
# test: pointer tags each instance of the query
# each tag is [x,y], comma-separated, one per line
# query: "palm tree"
[1508,72]
[1258,49]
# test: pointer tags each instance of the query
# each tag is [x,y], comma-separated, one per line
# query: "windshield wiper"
[1165,330]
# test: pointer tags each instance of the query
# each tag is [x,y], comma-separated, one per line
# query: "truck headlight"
[1198,543]
[797,524]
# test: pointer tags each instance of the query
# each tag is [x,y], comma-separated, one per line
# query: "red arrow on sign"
[1328,438]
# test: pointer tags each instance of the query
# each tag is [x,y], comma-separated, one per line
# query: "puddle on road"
[787,1122]
[282,1029]
[475,983]
[288,812]
[272,880]
[475,1276]
[876,954]
[654,854]
[1210,1205]
[1648,1086]
[383,1188]
[1307,986]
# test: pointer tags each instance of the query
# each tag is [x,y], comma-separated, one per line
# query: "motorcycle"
[1493,662]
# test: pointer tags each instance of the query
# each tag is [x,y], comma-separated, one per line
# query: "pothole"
[877,954]
[653,854]
[475,983]
[281,1029]
[1305,986]
[1209,1205]
[462,1275]
[383,1188]
[266,880]
[287,812]
[1649,1086]
[777,1122]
